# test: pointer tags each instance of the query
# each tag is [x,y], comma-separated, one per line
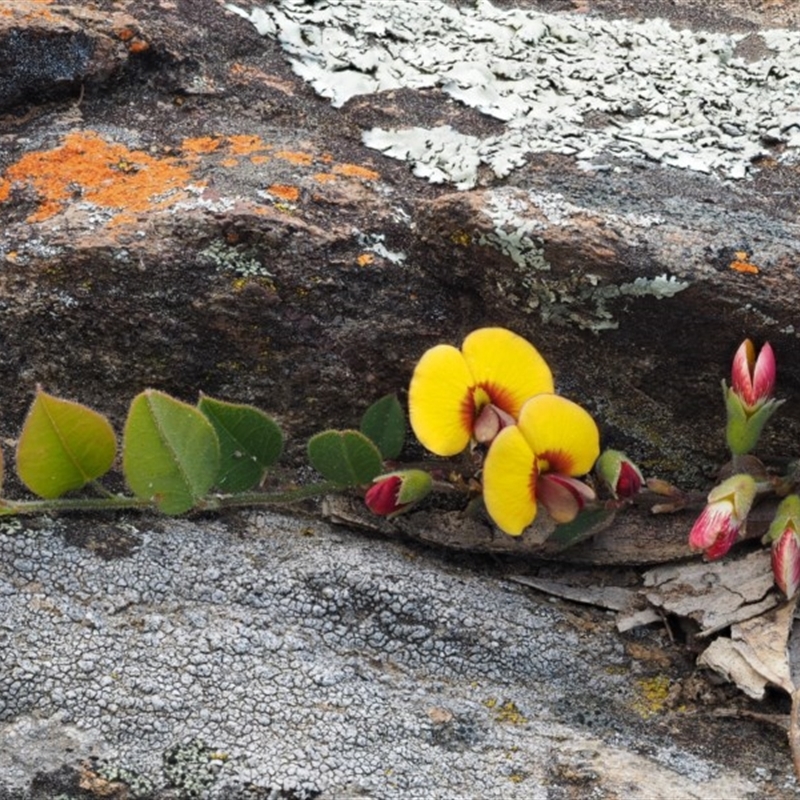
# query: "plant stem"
[119,502]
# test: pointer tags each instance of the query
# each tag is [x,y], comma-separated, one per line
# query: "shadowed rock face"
[183,206]
[198,218]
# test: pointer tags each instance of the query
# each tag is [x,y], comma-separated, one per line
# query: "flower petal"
[764,373]
[742,371]
[507,366]
[509,480]
[440,401]
[563,497]
[563,435]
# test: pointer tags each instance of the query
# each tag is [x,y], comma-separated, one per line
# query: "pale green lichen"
[234,259]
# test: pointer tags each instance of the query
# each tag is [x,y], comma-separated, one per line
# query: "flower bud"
[784,533]
[719,524]
[396,492]
[619,474]
[753,379]
[786,562]
[749,400]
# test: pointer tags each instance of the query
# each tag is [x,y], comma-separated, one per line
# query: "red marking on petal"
[557,461]
[500,397]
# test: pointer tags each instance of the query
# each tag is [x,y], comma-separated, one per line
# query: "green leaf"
[170,452]
[347,458]
[385,423]
[586,524]
[249,441]
[63,446]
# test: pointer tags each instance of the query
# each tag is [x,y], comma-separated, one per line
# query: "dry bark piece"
[714,595]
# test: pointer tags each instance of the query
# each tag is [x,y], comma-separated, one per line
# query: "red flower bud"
[753,379]
[719,524]
[381,497]
[786,562]
[396,492]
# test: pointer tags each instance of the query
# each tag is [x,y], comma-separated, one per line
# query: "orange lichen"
[124,34]
[301,159]
[741,263]
[106,174]
[365,259]
[259,159]
[244,144]
[200,145]
[138,46]
[354,171]
[285,192]
[28,9]
[229,162]
[324,177]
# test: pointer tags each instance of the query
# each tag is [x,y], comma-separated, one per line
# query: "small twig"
[794,732]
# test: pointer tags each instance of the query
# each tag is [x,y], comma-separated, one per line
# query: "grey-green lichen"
[681,98]
[240,261]
[581,298]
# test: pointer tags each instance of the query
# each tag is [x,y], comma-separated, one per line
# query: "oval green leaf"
[347,458]
[63,446]
[249,441]
[385,424]
[170,452]
[586,524]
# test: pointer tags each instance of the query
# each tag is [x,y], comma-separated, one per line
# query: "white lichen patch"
[376,243]
[573,84]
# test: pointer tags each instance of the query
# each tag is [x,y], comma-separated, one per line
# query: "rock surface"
[277,658]
[186,213]
[182,206]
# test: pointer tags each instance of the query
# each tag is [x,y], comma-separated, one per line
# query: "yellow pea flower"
[538,460]
[473,393]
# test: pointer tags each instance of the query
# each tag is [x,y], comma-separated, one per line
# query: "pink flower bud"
[786,562]
[753,379]
[396,492]
[720,522]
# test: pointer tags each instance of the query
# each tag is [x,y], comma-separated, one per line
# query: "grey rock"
[335,663]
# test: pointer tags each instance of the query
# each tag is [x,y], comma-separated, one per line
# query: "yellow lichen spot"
[354,171]
[461,238]
[506,712]
[652,695]
[365,259]
[299,158]
[238,284]
[290,194]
